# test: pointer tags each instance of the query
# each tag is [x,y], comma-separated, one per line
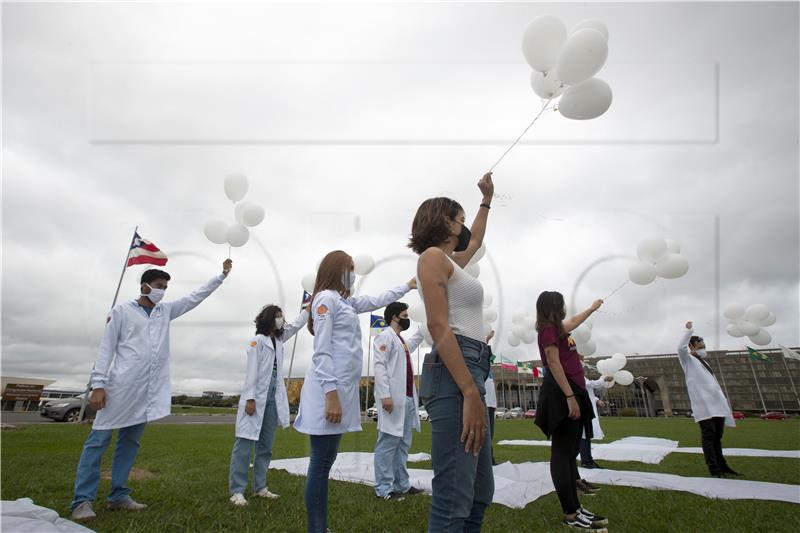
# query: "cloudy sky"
[345,117]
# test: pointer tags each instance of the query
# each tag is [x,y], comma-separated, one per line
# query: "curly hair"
[430,223]
[550,311]
[265,321]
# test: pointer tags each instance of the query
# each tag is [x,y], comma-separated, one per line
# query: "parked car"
[500,412]
[515,412]
[530,413]
[738,415]
[372,413]
[423,414]
[66,409]
[774,415]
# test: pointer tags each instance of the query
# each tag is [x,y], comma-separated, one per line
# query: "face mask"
[279,323]
[463,238]
[349,279]
[405,323]
[701,353]
[155,295]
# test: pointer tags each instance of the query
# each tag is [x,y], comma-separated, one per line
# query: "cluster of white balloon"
[363,264]
[523,329]
[582,335]
[657,257]
[612,366]
[567,63]
[750,321]
[246,214]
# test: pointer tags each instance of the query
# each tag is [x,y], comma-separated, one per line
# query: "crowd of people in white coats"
[131,384]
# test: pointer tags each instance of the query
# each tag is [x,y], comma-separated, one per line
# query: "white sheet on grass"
[517,485]
[23,516]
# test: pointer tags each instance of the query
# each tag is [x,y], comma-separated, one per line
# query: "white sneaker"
[83,511]
[238,499]
[265,493]
[128,504]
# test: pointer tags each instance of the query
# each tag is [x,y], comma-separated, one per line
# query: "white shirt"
[261,359]
[591,385]
[491,392]
[705,394]
[337,360]
[390,380]
[464,304]
[137,381]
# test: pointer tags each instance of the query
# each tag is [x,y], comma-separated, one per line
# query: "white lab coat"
[705,394]
[491,392]
[337,359]
[591,385]
[390,380]
[137,381]
[261,357]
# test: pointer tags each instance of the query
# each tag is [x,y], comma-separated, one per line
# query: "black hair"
[154,274]
[265,321]
[393,309]
[694,340]
[550,311]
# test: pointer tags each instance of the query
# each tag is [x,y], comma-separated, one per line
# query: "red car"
[738,415]
[530,413]
[773,415]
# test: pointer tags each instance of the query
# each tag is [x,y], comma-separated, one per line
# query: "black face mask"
[463,239]
[405,323]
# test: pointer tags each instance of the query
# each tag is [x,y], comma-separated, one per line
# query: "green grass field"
[189,490]
[200,410]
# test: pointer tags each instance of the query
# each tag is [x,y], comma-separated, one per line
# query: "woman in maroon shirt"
[563,412]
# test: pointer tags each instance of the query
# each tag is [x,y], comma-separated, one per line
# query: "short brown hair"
[430,223]
[330,276]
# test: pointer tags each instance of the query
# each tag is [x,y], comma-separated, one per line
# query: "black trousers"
[711,435]
[491,428]
[586,451]
[563,468]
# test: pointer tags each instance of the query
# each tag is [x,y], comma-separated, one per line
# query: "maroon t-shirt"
[567,353]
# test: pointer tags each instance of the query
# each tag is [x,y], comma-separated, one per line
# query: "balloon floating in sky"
[246,214]
[658,257]
[750,322]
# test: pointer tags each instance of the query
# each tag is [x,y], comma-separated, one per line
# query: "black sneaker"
[590,486]
[595,519]
[590,465]
[582,523]
[393,496]
[584,488]
[414,490]
[728,470]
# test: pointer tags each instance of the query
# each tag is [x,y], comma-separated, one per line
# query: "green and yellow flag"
[755,355]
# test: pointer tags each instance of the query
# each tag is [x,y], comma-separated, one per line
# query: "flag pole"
[783,356]
[369,353]
[113,303]
[758,387]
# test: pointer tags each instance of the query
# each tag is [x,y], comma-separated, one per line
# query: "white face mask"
[279,322]
[701,353]
[155,295]
[349,280]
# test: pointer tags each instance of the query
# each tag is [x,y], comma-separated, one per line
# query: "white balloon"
[748,328]
[487,327]
[473,269]
[519,331]
[613,366]
[771,319]
[589,324]
[513,340]
[672,266]
[651,249]
[586,100]
[235,186]
[489,315]
[673,246]
[546,85]
[762,338]
[581,334]
[252,215]
[583,55]
[594,24]
[216,231]
[642,273]
[756,313]
[363,264]
[528,337]
[603,366]
[237,235]
[542,41]
[623,377]
[586,348]
[238,210]
[487,300]
[518,316]
[734,331]
[734,311]
[308,282]
[529,322]
[620,359]
[416,312]
[479,253]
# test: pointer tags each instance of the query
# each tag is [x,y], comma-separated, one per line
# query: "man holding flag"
[710,408]
[131,381]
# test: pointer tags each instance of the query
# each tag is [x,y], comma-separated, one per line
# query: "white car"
[423,414]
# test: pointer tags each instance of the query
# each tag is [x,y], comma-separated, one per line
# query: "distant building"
[214,395]
[22,394]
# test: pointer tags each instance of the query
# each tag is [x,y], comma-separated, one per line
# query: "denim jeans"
[88,475]
[463,485]
[242,448]
[323,455]
[391,456]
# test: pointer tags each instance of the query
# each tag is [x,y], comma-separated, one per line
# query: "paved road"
[35,418]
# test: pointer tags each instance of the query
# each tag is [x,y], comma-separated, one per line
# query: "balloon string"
[544,108]
[615,290]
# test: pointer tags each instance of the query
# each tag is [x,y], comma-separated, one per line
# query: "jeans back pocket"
[430,378]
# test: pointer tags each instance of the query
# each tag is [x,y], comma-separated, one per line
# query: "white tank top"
[464,304]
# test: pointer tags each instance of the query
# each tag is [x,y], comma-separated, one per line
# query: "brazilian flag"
[755,355]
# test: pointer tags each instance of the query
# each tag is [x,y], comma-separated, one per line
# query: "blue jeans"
[463,485]
[391,456]
[323,455]
[242,448]
[88,475]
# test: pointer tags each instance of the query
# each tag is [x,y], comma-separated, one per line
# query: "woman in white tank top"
[454,373]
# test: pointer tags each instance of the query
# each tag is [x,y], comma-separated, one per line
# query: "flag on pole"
[507,364]
[524,367]
[538,372]
[376,324]
[755,355]
[791,354]
[144,252]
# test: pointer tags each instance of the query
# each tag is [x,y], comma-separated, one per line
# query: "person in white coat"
[131,385]
[491,394]
[397,401]
[329,401]
[263,403]
[592,385]
[710,408]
